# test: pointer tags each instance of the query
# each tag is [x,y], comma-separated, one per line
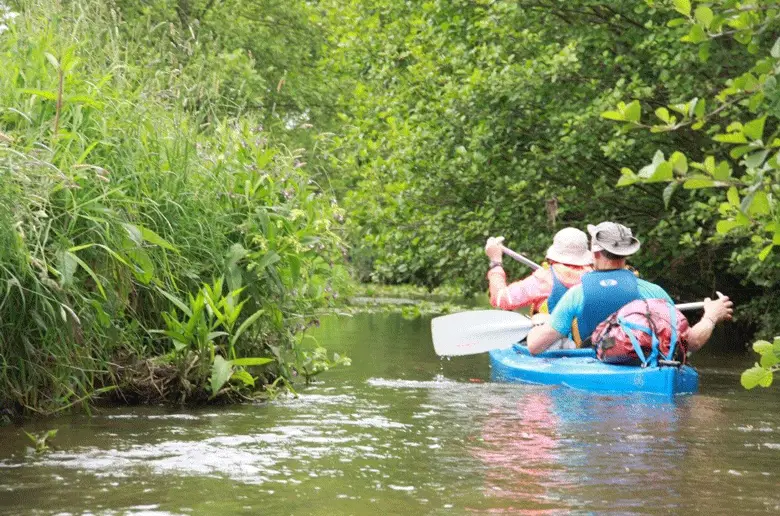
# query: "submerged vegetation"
[154,243]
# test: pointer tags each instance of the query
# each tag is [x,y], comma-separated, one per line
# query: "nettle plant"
[741,158]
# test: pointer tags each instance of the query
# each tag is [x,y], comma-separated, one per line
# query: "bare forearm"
[541,337]
[700,333]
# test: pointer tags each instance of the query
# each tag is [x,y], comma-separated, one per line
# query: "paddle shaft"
[683,307]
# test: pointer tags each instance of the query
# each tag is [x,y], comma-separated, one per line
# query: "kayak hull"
[580,369]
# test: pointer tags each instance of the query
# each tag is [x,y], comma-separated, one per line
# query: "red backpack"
[642,333]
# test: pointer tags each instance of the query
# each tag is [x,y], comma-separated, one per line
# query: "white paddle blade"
[478,331]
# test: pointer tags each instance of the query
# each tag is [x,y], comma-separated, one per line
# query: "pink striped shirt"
[532,291]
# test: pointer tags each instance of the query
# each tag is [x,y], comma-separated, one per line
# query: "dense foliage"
[743,157]
[472,118]
[148,240]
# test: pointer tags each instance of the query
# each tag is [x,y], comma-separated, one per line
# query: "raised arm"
[715,311]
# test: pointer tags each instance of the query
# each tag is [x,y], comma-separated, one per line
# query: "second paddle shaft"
[683,307]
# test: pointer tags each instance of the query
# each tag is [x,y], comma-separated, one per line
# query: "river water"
[403,432]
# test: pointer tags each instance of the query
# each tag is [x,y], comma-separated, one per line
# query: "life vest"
[642,333]
[603,293]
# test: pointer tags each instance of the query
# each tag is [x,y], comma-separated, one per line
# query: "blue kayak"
[580,369]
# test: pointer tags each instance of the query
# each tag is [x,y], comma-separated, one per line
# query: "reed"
[118,201]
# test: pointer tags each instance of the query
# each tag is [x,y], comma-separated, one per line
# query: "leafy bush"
[116,203]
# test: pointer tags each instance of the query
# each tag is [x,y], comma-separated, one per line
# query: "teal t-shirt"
[571,305]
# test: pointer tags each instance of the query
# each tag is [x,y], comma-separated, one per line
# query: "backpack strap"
[673,327]
[627,327]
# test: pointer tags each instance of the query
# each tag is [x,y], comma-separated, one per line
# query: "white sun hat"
[570,246]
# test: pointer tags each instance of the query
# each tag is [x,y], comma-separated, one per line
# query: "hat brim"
[585,258]
[619,250]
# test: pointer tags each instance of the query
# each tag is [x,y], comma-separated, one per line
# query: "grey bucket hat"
[613,237]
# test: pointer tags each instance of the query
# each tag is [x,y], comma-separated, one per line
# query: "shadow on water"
[403,432]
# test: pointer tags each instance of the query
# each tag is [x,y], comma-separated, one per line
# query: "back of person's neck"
[609,265]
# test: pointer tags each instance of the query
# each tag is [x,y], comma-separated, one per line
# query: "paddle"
[479,331]
[522,259]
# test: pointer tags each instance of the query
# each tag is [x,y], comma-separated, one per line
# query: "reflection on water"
[404,432]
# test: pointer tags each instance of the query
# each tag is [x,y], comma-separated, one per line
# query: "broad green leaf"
[755,159]
[759,205]
[153,238]
[730,138]
[755,128]
[270,258]
[776,238]
[245,325]
[765,252]
[733,196]
[724,226]
[762,346]
[696,35]
[663,172]
[768,360]
[704,15]
[67,268]
[663,114]
[683,7]
[143,265]
[613,115]
[722,172]
[244,377]
[755,376]
[221,370]
[696,182]
[633,111]
[679,162]
[252,361]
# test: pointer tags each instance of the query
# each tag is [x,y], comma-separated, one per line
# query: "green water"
[402,432]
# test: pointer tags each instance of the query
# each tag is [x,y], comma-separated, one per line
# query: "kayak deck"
[580,369]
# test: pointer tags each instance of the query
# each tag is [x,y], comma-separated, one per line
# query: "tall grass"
[116,201]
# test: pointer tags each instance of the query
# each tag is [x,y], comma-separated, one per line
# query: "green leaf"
[768,360]
[683,7]
[613,115]
[733,196]
[762,346]
[696,182]
[633,111]
[48,95]
[270,258]
[722,172]
[704,15]
[245,325]
[765,252]
[755,128]
[730,138]
[149,236]
[52,60]
[91,273]
[663,114]
[221,370]
[759,205]
[679,162]
[252,361]
[775,52]
[663,173]
[755,159]
[667,193]
[176,301]
[724,226]
[244,377]
[755,376]
[696,35]
[67,268]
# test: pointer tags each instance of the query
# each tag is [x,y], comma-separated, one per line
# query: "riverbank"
[153,246]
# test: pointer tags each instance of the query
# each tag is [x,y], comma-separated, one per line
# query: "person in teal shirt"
[608,288]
